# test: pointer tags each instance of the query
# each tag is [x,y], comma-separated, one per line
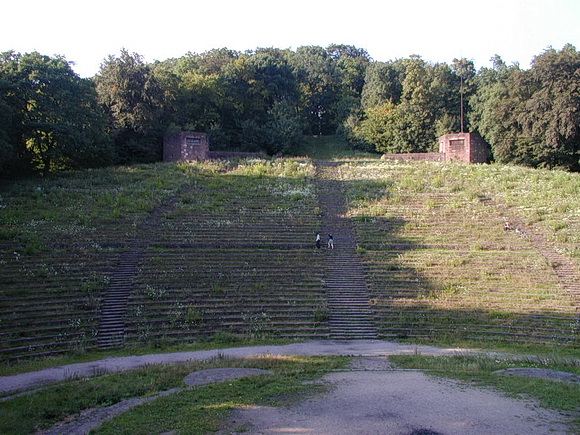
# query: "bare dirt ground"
[377,400]
[370,397]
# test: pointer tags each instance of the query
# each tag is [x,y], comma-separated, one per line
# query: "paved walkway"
[108,365]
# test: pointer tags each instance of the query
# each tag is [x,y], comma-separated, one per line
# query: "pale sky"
[438,30]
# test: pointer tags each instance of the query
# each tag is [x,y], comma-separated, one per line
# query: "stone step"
[347,291]
[349,305]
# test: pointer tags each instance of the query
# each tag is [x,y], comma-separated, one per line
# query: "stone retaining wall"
[430,157]
[459,147]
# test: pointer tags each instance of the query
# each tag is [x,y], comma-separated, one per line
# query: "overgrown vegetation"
[234,250]
[215,232]
[440,263]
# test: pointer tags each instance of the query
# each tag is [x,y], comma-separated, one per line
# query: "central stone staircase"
[350,316]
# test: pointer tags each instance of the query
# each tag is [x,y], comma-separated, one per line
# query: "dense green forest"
[267,100]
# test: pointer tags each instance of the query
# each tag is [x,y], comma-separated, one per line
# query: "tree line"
[267,99]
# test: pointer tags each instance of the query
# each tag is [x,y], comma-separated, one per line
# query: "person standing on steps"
[330,242]
[318,241]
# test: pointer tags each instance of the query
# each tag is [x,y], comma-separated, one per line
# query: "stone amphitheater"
[206,264]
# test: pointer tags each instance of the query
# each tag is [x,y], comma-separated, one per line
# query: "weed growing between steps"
[440,264]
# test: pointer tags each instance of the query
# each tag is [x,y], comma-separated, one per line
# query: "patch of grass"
[196,410]
[332,148]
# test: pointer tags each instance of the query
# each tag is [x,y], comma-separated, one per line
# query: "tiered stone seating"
[228,254]
[442,265]
[233,253]
[206,291]
[50,301]
[235,256]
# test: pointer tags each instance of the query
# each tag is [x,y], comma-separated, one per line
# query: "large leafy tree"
[382,84]
[12,109]
[351,63]
[384,127]
[264,95]
[134,101]
[418,107]
[406,126]
[532,117]
[195,94]
[414,101]
[551,114]
[214,61]
[255,82]
[495,105]
[55,119]
[319,83]
[193,100]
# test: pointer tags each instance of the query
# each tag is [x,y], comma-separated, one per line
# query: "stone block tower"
[464,147]
[184,146]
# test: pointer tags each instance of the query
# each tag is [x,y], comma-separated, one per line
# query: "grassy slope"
[60,237]
[409,198]
[223,232]
[440,263]
[431,235]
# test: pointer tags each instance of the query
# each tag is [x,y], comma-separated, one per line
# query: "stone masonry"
[464,147]
[184,146]
[457,147]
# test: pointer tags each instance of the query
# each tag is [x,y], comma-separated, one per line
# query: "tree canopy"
[266,100]
[51,118]
[531,117]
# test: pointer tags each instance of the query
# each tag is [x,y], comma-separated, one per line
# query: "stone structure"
[424,157]
[464,147]
[184,146]
[458,147]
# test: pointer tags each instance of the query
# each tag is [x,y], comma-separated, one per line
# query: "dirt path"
[399,402]
[371,397]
